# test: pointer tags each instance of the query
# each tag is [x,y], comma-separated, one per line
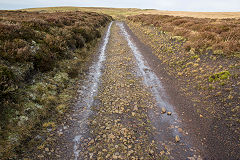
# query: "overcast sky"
[173,5]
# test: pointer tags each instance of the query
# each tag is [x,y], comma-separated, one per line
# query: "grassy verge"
[42,55]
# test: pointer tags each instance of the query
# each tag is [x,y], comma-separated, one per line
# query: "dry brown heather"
[38,38]
[202,35]
[41,55]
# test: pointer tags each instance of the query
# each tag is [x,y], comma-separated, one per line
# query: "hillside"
[120,12]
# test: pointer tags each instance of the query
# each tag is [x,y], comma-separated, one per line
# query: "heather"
[42,55]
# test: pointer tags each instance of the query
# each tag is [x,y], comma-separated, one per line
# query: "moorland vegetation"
[41,57]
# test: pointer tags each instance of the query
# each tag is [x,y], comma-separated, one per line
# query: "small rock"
[91,155]
[162,152]
[177,138]
[108,155]
[130,152]
[104,150]
[115,157]
[169,113]
[91,142]
[201,116]
[180,130]
[47,149]
[40,156]
[111,136]
[163,110]
[151,151]
[135,108]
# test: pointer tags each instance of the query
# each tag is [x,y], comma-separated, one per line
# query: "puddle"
[166,125]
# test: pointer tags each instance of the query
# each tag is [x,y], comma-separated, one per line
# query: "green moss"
[178,38]
[237,54]
[189,64]
[209,49]
[222,83]
[61,77]
[236,109]
[218,52]
[194,57]
[61,108]
[49,124]
[211,87]
[219,76]
[224,75]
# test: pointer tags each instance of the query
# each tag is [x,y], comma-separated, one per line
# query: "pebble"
[177,138]
[163,110]
[169,113]
[40,156]
[91,155]
[151,151]
[180,130]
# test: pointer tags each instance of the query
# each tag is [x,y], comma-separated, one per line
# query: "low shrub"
[7,82]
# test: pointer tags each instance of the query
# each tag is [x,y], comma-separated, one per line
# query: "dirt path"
[118,115]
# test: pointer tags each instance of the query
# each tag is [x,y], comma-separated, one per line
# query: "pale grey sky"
[174,5]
